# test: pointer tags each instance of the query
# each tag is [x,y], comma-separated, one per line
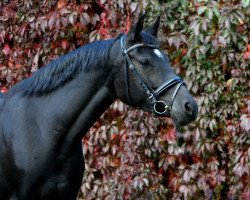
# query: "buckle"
[124,51]
[161,107]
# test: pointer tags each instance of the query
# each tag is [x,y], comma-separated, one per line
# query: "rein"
[159,107]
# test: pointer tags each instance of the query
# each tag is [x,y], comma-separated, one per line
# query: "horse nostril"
[188,107]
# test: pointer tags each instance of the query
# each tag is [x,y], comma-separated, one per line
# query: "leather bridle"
[159,107]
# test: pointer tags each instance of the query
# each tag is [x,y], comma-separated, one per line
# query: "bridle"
[159,107]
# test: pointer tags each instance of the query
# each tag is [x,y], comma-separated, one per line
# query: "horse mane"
[92,56]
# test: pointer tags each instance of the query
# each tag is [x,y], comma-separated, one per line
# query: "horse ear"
[153,29]
[135,31]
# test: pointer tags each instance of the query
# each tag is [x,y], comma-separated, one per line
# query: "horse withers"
[44,117]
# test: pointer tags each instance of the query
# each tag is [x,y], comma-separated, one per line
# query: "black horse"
[43,118]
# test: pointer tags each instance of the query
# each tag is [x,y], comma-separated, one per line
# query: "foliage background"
[129,154]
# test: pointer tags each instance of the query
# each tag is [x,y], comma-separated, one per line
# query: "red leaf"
[6,49]
[246,55]
[170,136]
[65,44]
[61,4]
[103,31]
[115,162]
[4,89]
[128,24]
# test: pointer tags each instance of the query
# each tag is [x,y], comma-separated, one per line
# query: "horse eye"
[144,62]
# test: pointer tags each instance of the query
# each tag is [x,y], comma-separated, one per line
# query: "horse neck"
[72,109]
[95,107]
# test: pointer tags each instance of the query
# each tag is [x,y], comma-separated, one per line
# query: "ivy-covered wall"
[129,154]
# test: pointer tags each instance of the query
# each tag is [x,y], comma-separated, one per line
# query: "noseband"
[159,107]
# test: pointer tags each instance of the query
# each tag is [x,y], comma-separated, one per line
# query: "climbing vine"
[128,153]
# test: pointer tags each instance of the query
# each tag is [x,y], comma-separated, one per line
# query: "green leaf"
[197,29]
[210,74]
[245,3]
[184,3]
[203,49]
[216,12]
[209,13]
[212,125]
[202,9]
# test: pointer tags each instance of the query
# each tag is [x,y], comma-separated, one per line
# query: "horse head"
[147,80]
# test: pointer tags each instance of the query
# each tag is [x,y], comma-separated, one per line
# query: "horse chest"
[53,179]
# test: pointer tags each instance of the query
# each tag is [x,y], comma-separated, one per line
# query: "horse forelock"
[149,39]
[55,74]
